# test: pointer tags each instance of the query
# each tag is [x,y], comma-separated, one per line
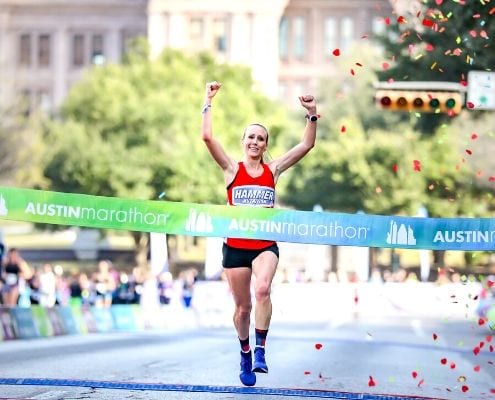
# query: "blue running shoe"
[259,360]
[247,376]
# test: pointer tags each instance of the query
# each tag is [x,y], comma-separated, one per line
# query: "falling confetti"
[371,382]
[420,383]
[443,361]
[307,372]
[435,336]
[343,129]
[465,388]
[476,368]
[318,346]
[336,52]
[469,151]
[474,136]
[417,165]
[414,374]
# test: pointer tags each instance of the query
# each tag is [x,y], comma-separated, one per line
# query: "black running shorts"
[234,258]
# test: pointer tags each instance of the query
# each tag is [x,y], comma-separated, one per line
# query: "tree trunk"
[142,243]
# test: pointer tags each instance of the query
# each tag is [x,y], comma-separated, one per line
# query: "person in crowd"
[104,283]
[14,269]
[251,182]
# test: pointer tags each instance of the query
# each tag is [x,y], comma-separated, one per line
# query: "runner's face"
[255,141]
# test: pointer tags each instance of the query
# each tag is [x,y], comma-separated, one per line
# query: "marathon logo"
[255,196]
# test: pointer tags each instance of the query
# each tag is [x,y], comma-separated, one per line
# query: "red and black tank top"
[245,190]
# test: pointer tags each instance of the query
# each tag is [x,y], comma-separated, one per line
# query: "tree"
[439,41]
[132,130]
[21,149]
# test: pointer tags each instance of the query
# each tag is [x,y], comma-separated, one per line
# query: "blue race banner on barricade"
[247,222]
[24,323]
[68,321]
[103,319]
[123,317]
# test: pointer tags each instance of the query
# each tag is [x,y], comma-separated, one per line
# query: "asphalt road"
[422,357]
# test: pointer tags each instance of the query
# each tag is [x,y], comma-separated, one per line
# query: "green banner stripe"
[246,222]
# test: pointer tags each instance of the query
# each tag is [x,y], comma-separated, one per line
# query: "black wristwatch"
[312,118]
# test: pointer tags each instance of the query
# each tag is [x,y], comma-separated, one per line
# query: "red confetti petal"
[395,168]
[452,365]
[492,11]
[469,151]
[427,22]
[476,351]
[474,136]
[481,344]
[477,368]
[371,382]
[401,20]
[343,128]
[490,284]
[439,2]
[492,390]
[435,336]
[307,373]
[414,374]
[489,338]
[336,52]
[465,388]
[491,179]
[417,165]
[318,346]
[387,21]
[421,382]
[429,47]
[443,361]
[491,348]
[470,104]
[481,321]
[385,65]
[352,72]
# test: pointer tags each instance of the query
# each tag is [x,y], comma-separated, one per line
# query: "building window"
[220,35]
[196,32]
[299,37]
[283,38]
[346,33]
[330,35]
[78,50]
[44,52]
[25,50]
[97,52]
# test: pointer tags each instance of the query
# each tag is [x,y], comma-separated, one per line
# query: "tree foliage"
[132,130]
[439,41]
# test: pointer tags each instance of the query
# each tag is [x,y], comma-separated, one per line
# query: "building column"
[61,62]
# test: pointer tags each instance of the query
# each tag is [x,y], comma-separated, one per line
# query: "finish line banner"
[246,222]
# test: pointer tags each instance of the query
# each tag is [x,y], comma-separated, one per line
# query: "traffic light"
[426,101]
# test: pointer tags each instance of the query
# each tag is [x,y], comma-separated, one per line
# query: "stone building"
[45,45]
